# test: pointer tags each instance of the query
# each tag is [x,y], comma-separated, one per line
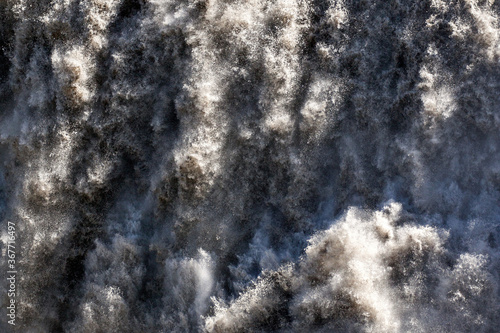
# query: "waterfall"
[250,166]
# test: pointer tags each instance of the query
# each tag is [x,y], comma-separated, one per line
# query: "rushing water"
[251,166]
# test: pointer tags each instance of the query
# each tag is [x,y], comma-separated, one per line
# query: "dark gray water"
[251,166]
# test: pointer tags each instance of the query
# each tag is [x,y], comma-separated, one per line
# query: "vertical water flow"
[250,166]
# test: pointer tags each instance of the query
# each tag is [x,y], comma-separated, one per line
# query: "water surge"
[251,166]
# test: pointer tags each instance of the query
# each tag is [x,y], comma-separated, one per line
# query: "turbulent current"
[250,165]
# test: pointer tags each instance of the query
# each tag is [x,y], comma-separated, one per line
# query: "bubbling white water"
[252,166]
[374,272]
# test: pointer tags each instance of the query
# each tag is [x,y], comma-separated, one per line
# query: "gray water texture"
[251,166]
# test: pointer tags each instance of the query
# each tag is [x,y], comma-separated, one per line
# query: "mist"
[250,166]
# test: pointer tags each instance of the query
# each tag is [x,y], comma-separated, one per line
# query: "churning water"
[251,166]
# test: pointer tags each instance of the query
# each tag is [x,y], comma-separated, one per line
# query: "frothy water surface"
[251,166]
